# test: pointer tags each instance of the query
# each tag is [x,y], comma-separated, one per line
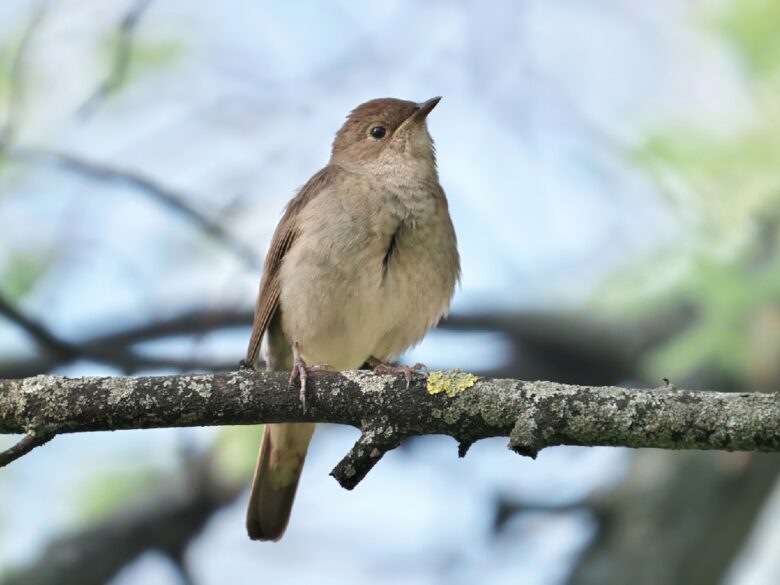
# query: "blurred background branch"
[121,59]
[172,201]
[16,81]
[165,519]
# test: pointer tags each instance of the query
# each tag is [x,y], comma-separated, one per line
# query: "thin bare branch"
[189,322]
[112,349]
[121,59]
[30,441]
[165,518]
[16,75]
[37,331]
[167,197]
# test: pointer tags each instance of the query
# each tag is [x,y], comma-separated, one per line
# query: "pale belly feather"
[341,313]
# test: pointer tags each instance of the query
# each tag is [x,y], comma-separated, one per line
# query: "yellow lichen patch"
[451,383]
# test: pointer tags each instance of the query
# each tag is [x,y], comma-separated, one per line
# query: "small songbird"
[362,264]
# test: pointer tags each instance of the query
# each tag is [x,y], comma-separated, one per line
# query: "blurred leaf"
[733,179]
[144,57]
[107,492]
[20,275]
[753,28]
[5,68]
[235,452]
[727,263]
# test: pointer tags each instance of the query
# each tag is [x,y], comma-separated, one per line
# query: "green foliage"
[235,453]
[5,70]
[752,27]
[20,275]
[727,264]
[105,493]
[732,175]
[144,57]
[727,295]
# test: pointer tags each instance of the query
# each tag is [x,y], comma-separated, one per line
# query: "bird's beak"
[419,115]
[424,108]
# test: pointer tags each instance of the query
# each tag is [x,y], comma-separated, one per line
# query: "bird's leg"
[302,371]
[381,367]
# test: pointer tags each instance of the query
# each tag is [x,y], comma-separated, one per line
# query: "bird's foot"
[301,371]
[381,367]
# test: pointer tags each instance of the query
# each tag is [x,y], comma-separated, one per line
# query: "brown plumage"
[363,262]
[284,236]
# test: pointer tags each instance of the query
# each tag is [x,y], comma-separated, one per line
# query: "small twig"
[101,349]
[121,61]
[171,199]
[37,331]
[186,322]
[16,76]
[506,509]
[26,444]
[165,517]
[179,560]
[375,440]
[115,347]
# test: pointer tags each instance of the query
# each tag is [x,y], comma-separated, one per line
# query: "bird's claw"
[407,371]
[301,371]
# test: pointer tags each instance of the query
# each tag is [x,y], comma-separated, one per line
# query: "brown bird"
[362,264]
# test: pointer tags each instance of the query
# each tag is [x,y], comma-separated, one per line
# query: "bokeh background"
[612,169]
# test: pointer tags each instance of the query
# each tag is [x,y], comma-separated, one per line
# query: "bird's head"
[387,136]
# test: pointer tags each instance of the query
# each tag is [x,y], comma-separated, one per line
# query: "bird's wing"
[286,233]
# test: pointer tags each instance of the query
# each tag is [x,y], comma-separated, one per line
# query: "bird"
[363,263]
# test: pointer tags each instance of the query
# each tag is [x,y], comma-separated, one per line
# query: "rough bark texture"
[534,415]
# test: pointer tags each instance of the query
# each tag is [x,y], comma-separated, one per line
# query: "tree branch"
[165,518]
[142,184]
[121,58]
[534,415]
[37,331]
[30,441]
[109,349]
[16,75]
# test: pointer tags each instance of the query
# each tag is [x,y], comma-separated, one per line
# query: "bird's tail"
[279,467]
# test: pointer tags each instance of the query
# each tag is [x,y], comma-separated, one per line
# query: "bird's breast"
[366,277]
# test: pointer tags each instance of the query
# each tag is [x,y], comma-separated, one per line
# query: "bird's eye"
[378,132]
